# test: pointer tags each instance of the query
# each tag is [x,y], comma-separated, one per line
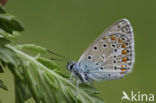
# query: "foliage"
[36,76]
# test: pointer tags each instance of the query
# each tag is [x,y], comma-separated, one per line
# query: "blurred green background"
[69,26]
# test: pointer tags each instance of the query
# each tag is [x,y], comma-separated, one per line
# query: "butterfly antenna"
[63,58]
[58,59]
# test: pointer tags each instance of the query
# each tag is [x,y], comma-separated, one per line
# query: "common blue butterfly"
[110,56]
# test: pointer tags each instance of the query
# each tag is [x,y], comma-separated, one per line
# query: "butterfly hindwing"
[111,55]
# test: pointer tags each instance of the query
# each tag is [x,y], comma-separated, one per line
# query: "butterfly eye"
[70,66]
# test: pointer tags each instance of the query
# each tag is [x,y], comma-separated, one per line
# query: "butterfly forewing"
[111,55]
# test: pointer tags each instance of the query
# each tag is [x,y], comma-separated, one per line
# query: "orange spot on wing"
[124,51]
[123,66]
[104,38]
[113,37]
[122,69]
[123,45]
[120,40]
[124,59]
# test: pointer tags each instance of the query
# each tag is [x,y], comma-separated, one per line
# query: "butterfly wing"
[111,55]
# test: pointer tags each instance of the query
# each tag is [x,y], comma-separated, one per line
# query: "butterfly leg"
[78,82]
[71,76]
[92,84]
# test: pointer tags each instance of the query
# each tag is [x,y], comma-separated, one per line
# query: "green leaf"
[2,9]
[47,85]
[8,36]
[22,91]
[32,47]
[2,66]
[1,70]
[2,85]
[4,41]
[62,74]
[7,55]
[89,88]
[9,23]
[48,63]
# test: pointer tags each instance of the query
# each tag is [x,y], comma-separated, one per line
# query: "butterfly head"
[71,65]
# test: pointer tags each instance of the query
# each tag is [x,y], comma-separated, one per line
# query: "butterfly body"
[110,56]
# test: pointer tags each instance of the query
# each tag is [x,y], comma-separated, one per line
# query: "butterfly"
[110,56]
